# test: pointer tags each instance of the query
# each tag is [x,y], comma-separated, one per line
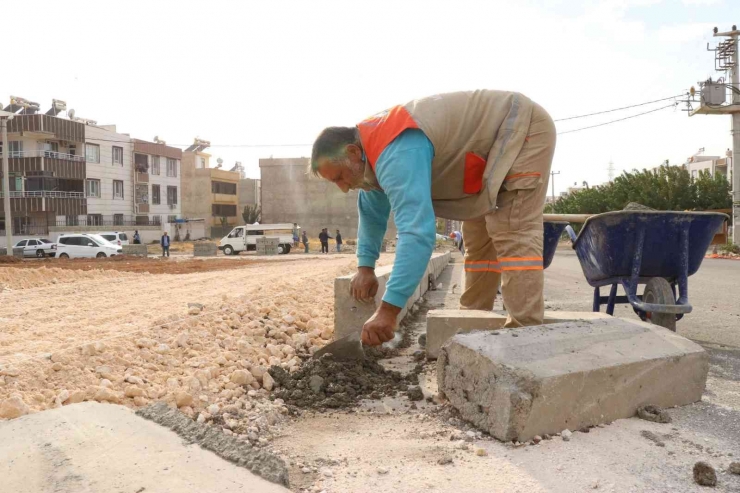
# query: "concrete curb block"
[350,315]
[518,383]
[444,324]
[17,252]
[204,250]
[139,250]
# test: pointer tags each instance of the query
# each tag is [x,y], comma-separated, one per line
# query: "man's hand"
[364,285]
[381,326]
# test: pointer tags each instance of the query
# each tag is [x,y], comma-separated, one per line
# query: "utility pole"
[712,95]
[4,117]
[552,182]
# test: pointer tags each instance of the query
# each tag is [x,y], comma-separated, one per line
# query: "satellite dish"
[71,113]
[219,161]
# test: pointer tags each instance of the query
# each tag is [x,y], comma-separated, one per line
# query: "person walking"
[165,242]
[339,241]
[480,156]
[295,234]
[137,238]
[304,239]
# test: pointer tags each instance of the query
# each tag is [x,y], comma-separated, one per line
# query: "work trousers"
[324,247]
[165,250]
[506,244]
[305,246]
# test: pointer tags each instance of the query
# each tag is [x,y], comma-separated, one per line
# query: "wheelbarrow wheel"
[659,291]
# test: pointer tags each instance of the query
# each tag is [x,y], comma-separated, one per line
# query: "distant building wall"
[289,195]
[249,192]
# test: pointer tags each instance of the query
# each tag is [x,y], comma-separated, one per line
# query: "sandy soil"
[68,330]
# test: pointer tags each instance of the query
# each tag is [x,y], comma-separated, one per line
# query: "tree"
[251,214]
[668,188]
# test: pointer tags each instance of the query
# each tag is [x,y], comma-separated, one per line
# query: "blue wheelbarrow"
[553,230]
[655,248]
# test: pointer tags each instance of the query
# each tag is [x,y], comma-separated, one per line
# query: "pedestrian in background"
[339,241]
[165,242]
[137,238]
[324,239]
[304,239]
[295,234]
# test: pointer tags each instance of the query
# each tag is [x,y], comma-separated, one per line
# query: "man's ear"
[354,152]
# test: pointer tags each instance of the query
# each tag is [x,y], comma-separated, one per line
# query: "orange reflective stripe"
[518,259]
[482,266]
[521,175]
[482,269]
[524,267]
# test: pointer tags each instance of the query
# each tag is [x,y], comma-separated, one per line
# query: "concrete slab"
[106,448]
[518,383]
[443,324]
[350,315]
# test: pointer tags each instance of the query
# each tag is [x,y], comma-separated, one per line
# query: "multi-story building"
[711,164]
[157,182]
[109,177]
[249,193]
[209,193]
[46,169]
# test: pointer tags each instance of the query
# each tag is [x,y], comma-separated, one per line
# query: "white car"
[37,247]
[86,246]
[116,237]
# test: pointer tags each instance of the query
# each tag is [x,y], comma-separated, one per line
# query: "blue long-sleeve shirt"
[404,172]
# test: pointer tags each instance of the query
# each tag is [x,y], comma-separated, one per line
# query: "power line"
[619,120]
[616,109]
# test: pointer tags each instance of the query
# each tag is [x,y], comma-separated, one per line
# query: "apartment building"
[109,177]
[157,182]
[249,191]
[47,169]
[711,164]
[209,193]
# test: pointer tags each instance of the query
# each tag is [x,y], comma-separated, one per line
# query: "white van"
[85,246]
[244,238]
[116,237]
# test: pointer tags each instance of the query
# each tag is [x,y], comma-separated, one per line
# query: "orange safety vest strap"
[482,266]
[380,130]
[521,263]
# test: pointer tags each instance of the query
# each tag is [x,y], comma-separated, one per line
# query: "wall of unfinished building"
[289,195]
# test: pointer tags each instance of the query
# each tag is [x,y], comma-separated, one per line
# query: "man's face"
[346,173]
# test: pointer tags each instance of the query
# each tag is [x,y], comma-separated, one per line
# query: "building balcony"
[225,198]
[142,208]
[142,177]
[52,194]
[46,154]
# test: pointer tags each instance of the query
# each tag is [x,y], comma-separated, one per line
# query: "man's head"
[337,156]
[337,231]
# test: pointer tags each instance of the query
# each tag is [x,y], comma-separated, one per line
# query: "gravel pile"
[325,383]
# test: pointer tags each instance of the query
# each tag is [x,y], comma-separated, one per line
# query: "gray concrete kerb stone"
[518,383]
[443,324]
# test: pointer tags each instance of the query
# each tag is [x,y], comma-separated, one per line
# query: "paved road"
[714,292]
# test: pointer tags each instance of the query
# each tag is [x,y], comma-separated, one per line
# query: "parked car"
[86,246]
[40,247]
[116,237]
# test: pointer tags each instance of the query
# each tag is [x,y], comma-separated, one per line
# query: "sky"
[274,74]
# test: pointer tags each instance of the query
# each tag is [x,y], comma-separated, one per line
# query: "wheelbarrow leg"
[597,300]
[612,300]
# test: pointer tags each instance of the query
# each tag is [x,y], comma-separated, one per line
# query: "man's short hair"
[331,143]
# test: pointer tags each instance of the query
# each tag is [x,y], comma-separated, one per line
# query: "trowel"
[347,348]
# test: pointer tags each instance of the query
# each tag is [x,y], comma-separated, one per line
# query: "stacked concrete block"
[267,246]
[443,324]
[518,383]
[17,252]
[138,250]
[350,314]
[204,249]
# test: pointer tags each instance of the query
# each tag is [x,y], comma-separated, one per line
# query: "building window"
[157,220]
[94,219]
[117,189]
[202,162]
[155,165]
[155,195]
[118,155]
[117,219]
[92,188]
[223,210]
[15,148]
[171,219]
[171,195]
[223,187]
[140,164]
[171,167]
[72,220]
[92,153]
[694,173]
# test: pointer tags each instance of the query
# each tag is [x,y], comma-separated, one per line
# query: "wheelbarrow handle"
[572,234]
